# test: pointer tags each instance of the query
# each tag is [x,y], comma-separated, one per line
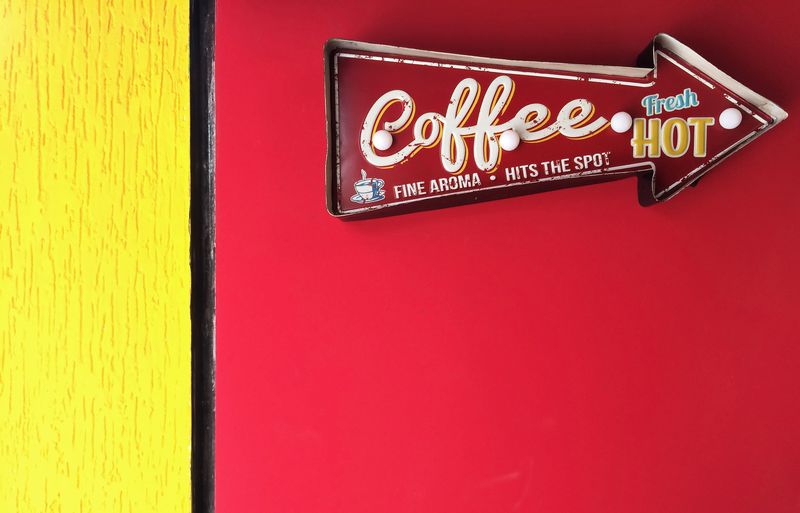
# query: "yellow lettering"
[645,141]
[700,126]
[675,137]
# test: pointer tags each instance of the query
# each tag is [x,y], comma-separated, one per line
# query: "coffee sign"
[410,129]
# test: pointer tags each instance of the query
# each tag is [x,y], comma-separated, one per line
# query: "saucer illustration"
[359,199]
[368,190]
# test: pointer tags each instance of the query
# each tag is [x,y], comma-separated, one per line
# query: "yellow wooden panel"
[95,406]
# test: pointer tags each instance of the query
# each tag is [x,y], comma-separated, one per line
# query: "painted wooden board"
[94,256]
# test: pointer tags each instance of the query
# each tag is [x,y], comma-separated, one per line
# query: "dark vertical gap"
[202,219]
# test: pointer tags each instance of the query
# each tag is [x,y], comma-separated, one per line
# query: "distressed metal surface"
[203,253]
[653,187]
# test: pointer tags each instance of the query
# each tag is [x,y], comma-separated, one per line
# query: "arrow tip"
[666,42]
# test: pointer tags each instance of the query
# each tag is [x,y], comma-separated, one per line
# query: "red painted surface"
[560,352]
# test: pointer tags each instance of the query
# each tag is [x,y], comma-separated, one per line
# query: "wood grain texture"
[94,256]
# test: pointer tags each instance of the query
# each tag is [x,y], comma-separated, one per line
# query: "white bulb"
[730,118]
[382,140]
[509,140]
[621,122]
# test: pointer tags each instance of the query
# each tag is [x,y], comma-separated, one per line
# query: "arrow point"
[743,114]
[695,61]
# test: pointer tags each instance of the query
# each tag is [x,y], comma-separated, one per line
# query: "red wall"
[562,352]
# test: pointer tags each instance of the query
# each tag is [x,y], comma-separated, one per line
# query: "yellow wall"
[95,408]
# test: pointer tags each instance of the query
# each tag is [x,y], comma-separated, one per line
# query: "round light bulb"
[382,140]
[509,140]
[621,122]
[730,118]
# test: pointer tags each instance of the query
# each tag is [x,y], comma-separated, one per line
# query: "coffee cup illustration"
[368,190]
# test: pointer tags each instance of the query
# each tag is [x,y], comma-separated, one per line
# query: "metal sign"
[411,129]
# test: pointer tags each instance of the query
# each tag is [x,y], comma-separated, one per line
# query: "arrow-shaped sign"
[411,129]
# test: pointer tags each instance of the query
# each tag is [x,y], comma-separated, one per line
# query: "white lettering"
[574,121]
